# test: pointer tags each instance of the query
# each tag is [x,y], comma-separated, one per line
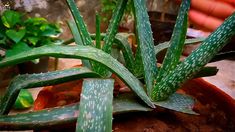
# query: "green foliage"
[19,33]
[10,18]
[24,100]
[160,86]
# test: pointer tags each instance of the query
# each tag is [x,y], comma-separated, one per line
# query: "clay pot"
[216,109]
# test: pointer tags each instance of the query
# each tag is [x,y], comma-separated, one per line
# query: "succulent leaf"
[37,80]
[145,43]
[196,60]
[95,109]
[83,52]
[174,52]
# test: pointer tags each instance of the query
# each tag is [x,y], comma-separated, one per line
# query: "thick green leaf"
[54,117]
[160,47]
[83,52]
[17,48]
[206,71]
[81,27]
[10,18]
[78,40]
[138,63]
[38,80]
[197,60]
[75,32]
[174,52]
[98,33]
[145,43]
[111,33]
[95,110]
[128,102]
[224,55]
[48,118]
[14,35]
[122,42]
[178,102]
[113,26]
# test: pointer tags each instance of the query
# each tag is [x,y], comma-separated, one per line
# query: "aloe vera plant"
[97,101]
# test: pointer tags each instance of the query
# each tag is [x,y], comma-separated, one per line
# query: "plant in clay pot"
[155,92]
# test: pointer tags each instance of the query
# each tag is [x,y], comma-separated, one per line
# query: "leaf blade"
[37,80]
[178,102]
[197,59]
[80,23]
[95,110]
[145,43]
[173,53]
[83,52]
[53,117]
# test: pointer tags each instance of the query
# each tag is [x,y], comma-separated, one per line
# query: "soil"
[216,115]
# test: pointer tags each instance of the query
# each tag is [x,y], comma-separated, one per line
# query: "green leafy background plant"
[20,33]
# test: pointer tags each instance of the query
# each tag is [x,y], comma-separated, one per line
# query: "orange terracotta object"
[58,95]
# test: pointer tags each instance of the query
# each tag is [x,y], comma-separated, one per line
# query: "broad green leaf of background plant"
[10,18]
[196,60]
[174,52]
[35,21]
[145,43]
[2,30]
[33,40]
[49,30]
[17,48]
[95,110]
[24,100]
[14,35]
